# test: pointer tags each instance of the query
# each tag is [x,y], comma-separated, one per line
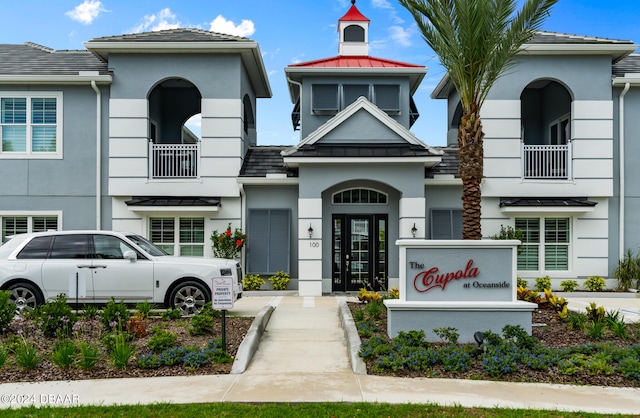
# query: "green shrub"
[543,283]
[148,361]
[27,356]
[144,309]
[522,282]
[447,334]
[374,309]
[64,353]
[89,355]
[4,355]
[569,285]
[122,350]
[201,324]
[595,284]
[171,314]
[56,317]
[115,315]
[252,282]
[628,271]
[90,311]
[7,309]
[280,280]
[162,340]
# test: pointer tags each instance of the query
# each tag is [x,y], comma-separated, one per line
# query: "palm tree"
[476,41]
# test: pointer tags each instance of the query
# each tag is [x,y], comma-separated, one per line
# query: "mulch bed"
[551,331]
[236,329]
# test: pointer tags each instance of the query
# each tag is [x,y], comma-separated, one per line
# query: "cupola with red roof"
[353,28]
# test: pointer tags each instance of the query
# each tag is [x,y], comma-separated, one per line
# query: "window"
[70,246]
[108,247]
[559,131]
[37,248]
[545,243]
[325,98]
[387,97]
[446,224]
[12,225]
[270,241]
[360,196]
[351,92]
[31,125]
[181,236]
[354,33]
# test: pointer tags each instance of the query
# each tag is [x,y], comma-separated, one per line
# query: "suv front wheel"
[189,297]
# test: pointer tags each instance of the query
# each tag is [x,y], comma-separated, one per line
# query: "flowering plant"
[227,244]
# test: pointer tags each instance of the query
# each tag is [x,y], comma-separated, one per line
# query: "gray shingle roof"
[361,151]
[449,164]
[262,160]
[33,59]
[629,64]
[172,35]
[543,37]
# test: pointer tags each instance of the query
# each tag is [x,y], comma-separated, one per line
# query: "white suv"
[94,266]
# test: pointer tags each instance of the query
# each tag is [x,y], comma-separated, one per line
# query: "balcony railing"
[174,160]
[546,161]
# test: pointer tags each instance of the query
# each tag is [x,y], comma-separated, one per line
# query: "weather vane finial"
[353,2]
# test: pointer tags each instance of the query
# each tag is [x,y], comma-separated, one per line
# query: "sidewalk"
[303,357]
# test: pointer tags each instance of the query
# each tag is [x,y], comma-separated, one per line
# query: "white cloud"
[86,12]
[400,36]
[381,4]
[164,19]
[222,25]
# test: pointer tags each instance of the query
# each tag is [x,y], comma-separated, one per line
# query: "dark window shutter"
[268,241]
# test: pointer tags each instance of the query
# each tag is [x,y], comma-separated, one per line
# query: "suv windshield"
[147,246]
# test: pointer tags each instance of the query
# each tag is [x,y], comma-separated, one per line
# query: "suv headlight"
[226,272]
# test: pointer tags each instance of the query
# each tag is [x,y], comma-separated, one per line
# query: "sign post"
[223,300]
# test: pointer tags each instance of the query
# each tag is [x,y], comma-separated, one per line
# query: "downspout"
[621,168]
[98,154]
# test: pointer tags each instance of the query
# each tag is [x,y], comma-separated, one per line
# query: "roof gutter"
[98,154]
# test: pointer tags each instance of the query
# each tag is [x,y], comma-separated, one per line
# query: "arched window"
[360,197]
[354,33]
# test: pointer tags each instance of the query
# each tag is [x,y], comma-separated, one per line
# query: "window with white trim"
[178,236]
[545,244]
[31,125]
[21,224]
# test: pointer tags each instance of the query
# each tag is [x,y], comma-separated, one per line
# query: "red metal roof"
[363,61]
[354,15]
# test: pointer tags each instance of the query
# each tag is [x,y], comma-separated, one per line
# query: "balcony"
[174,161]
[548,162]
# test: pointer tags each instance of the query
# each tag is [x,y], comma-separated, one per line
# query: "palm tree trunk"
[471,153]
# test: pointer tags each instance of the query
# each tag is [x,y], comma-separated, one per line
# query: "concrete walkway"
[304,357]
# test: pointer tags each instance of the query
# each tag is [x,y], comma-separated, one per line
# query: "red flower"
[239,243]
[228,232]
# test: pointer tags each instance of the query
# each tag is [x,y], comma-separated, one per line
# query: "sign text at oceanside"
[467,285]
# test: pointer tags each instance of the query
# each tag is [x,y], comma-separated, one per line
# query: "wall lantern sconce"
[310,231]
[414,230]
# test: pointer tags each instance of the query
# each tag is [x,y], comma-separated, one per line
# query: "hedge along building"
[355,183]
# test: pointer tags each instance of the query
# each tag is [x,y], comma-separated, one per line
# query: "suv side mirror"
[130,255]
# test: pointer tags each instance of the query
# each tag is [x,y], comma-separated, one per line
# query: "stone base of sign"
[466,317]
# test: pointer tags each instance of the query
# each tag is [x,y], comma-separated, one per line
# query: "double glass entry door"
[359,252]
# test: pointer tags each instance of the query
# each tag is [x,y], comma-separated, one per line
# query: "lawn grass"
[283,410]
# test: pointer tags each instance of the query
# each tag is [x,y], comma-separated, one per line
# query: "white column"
[310,248]
[412,212]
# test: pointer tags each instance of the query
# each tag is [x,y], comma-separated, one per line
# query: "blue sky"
[288,31]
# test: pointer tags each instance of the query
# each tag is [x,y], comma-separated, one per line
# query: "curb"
[352,338]
[250,343]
